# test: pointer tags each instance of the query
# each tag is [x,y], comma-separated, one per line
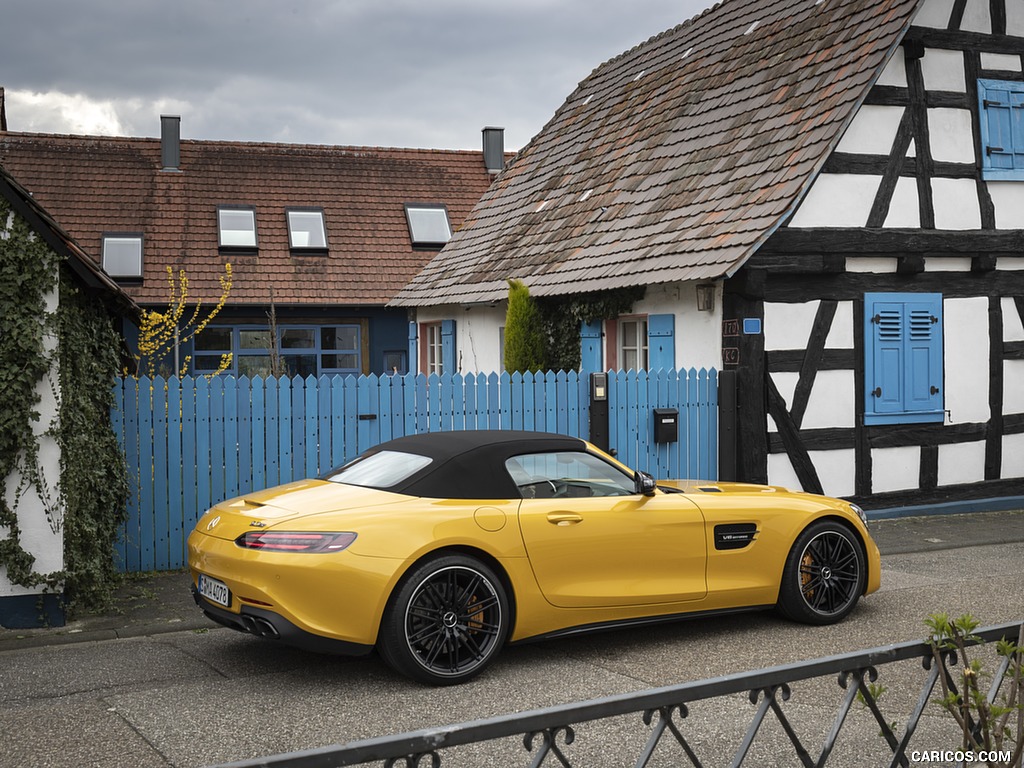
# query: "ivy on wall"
[89,502]
[562,317]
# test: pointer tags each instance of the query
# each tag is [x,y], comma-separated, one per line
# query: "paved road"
[165,690]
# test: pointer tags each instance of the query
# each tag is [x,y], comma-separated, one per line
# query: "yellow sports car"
[438,549]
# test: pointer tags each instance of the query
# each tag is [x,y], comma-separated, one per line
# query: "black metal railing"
[548,734]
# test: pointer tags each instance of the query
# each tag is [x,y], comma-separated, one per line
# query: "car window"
[380,470]
[567,474]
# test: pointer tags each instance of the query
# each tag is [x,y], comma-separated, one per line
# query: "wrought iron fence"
[547,735]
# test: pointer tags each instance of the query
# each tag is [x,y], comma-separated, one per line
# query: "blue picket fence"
[192,442]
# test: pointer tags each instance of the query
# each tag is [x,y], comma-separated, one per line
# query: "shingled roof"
[93,185]
[676,160]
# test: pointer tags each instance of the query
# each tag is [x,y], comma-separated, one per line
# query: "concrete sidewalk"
[155,603]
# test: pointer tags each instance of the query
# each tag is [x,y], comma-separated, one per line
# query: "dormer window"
[306,230]
[237,226]
[122,256]
[428,224]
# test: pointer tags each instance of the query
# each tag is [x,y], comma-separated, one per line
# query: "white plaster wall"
[934,13]
[788,326]
[872,131]
[1008,199]
[977,17]
[962,463]
[836,471]
[832,402]
[698,335]
[781,472]
[943,70]
[39,536]
[785,382]
[1013,329]
[895,469]
[951,135]
[1013,456]
[1015,19]
[841,334]
[905,206]
[956,204]
[477,337]
[966,355]
[880,265]
[1013,386]
[1001,61]
[895,72]
[1010,263]
[947,264]
[837,200]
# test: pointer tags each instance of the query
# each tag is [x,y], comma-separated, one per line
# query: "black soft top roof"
[471,464]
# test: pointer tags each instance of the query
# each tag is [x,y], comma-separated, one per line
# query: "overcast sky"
[399,73]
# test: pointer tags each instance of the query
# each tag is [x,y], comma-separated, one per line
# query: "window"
[1001,110]
[633,344]
[396,362]
[428,225]
[304,350]
[382,469]
[237,227]
[903,358]
[432,348]
[122,255]
[306,229]
[567,474]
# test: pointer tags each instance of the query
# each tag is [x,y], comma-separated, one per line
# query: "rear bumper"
[273,626]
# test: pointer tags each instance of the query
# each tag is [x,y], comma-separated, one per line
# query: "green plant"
[524,338]
[994,727]
[562,317]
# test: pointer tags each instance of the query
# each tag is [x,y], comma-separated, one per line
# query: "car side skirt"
[608,626]
[273,626]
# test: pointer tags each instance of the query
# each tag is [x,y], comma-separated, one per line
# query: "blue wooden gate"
[192,442]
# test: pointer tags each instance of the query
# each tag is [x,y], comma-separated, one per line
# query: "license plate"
[214,590]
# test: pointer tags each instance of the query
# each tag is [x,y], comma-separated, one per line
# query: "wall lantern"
[706,298]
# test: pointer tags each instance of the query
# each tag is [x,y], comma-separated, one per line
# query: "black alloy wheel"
[446,622]
[824,576]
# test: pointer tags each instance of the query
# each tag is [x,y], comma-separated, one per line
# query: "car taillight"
[295,541]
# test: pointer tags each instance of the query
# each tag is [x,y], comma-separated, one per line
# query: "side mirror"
[645,484]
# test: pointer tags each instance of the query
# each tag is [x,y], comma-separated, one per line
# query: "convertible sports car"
[438,549]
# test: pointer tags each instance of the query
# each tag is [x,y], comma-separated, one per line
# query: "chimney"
[3,111]
[170,142]
[494,149]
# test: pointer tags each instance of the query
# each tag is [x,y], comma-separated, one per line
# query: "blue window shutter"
[413,359]
[591,358]
[448,362]
[903,358]
[1001,113]
[661,343]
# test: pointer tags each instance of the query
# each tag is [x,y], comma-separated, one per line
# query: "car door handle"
[564,518]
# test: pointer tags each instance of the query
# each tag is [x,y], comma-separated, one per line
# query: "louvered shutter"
[413,331]
[1001,113]
[903,358]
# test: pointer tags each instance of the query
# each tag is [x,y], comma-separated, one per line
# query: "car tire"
[445,622]
[824,575]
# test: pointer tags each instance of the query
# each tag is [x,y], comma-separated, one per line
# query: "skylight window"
[237,227]
[306,229]
[122,255]
[428,224]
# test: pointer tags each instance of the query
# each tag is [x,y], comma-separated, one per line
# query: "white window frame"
[429,225]
[434,349]
[314,235]
[122,255]
[641,349]
[235,238]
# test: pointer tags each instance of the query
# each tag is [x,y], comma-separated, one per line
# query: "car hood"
[268,508]
[714,486]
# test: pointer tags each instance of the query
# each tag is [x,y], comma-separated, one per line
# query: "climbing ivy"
[562,316]
[28,274]
[77,335]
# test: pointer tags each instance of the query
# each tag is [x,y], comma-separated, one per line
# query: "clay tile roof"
[677,159]
[92,185]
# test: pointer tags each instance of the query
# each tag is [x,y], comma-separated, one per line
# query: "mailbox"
[666,425]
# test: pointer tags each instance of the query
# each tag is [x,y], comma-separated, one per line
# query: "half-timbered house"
[824,196]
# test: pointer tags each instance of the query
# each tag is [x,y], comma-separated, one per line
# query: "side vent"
[734,535]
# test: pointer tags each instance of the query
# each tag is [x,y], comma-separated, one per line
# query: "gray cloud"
[365,72]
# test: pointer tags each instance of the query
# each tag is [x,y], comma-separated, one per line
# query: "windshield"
[380,470]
